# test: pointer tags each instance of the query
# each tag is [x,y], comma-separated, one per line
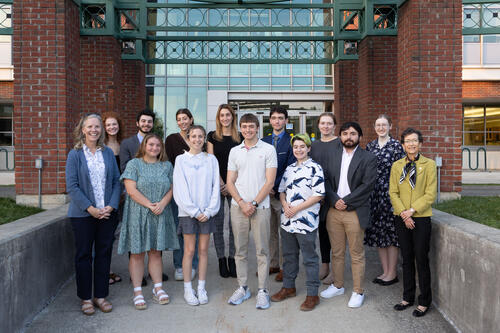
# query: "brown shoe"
[283,294]
[310,303]
[273,270]
[279,276]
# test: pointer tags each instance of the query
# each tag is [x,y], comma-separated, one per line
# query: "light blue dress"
[142,230]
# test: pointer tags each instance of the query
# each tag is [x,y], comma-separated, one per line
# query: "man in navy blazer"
[280,139]
[349,181]
[130,146]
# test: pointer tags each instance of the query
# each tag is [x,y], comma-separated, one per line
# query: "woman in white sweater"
[197,193]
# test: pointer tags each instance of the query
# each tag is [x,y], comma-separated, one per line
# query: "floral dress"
[382,232]
[141,229]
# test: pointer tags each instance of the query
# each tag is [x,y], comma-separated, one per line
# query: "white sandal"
[161,296]
[139,302]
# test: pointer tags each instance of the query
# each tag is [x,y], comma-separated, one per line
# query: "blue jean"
[179,254]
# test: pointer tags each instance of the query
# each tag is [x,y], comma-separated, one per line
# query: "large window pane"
[471,50]
[491,49]
[473,139]
[176,99]
[197,104]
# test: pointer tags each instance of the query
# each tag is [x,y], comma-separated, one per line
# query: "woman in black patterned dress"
[382,233]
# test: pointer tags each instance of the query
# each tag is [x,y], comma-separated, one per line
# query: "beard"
[350,143]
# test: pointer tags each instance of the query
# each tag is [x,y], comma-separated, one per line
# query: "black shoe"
[377,280]
[232,267]
[223,271]
[388,283]
[401,306]
[164,277]
[419,313]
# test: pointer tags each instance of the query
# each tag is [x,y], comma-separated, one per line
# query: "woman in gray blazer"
[92,182]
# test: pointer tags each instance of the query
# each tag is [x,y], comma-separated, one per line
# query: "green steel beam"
[242,38]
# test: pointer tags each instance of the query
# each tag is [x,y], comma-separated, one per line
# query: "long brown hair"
[162,157]
[234,124]
[115,115]
[78,135]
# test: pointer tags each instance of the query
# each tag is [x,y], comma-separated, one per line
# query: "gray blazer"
[128,149]
[361,178]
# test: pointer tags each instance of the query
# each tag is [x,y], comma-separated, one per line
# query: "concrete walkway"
[376,315]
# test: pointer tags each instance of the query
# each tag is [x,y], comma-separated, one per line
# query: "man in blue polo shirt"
[280,139]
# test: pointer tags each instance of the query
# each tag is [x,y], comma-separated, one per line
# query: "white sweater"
[196,184]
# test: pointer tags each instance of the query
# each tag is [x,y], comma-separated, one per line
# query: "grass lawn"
[9,211]
[484,210]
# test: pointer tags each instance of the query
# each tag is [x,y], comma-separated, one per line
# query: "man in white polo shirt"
[251,171]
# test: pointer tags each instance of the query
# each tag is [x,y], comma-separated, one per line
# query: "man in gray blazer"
[130,146]
[349,181]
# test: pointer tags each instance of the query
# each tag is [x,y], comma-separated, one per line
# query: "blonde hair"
[162,157]
[234,124]
[79,137]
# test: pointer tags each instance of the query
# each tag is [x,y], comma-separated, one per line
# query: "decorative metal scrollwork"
[5,16]
[94,16]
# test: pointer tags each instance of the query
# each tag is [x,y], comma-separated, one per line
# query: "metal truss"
[252,31]
[480,17]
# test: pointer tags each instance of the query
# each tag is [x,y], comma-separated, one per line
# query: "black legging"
[324,239]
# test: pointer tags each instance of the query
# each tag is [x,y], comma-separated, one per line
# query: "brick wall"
[481,89]
[6,90]
[43,100]
[377,82]
[133,93]
[346,91]
[429,80]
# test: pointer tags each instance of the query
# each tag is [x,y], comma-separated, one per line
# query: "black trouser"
[324,240]
[91,232]
[414,244]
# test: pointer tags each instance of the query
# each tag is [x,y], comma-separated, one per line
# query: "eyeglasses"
[411,141]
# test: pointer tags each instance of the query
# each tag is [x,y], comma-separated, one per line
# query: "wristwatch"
[255,204]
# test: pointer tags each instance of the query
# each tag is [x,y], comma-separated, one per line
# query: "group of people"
[285,189]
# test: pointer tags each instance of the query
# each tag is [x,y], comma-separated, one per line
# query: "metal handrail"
[477,157]
[7,160]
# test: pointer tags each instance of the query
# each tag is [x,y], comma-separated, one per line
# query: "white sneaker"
[356,300]
[202,296]
[239,296]
[332,291]
[190,297]
[193,273]
[262,299]
[178,274]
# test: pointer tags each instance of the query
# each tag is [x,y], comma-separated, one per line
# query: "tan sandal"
[104,305]
[139,302]
[88,308]
[161,296]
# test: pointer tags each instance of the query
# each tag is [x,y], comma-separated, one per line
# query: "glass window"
[280,69]
[5,50]
[491,49]
[197,104]
[176,99]
[481,125]
[471,50]
[218,70]
[492,125]
[6,124]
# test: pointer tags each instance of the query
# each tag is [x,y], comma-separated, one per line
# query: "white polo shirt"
[343,190]
[251,165]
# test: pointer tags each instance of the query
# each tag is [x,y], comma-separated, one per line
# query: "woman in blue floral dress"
[382,233]
[148,224]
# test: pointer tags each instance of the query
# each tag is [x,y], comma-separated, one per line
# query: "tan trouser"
[259,224]
[275,253]
[342,225]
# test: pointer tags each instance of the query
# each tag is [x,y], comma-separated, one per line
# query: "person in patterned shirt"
[301,189]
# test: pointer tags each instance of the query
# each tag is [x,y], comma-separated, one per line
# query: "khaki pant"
[259,224]
[341,225]
[275,252]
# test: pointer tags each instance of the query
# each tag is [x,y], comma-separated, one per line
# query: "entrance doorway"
[302,116]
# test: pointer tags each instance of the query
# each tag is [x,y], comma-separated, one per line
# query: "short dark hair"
[186,112]
[146,112]
[249,118]
[278,109]
[352,124]
[410,131]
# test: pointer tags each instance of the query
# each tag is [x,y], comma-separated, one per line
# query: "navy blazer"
[285,156]
[79,187]
[361,177]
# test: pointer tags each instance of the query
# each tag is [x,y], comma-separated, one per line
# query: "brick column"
[377,87]
[46,94]
[346,91]
[430,81]
[133,93]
